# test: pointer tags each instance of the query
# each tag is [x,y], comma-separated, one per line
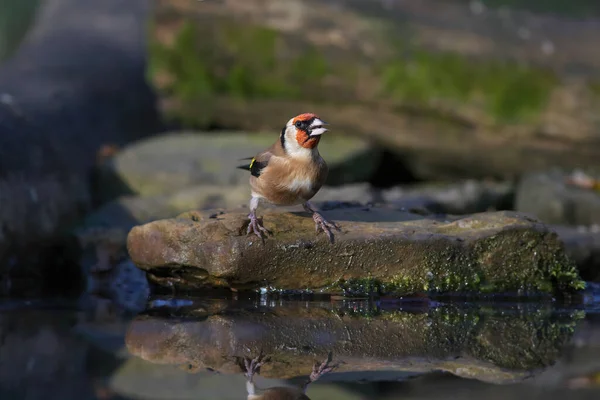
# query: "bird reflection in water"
[252,366]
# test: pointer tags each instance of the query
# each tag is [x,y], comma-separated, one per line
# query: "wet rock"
[550,197]
[171,162]
[379,250]
[498,346]
[123,286]
[111,280]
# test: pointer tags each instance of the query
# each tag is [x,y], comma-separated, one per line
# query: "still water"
[194,348]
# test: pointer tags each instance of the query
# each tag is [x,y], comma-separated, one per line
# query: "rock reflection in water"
[500,345]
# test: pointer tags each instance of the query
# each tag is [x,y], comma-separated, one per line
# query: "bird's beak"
[316,128]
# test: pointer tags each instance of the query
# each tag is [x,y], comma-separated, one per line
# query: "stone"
[168,163]
[380,343]
[449,101]
[583,247]
[465,197]
[549,197]
[380,250]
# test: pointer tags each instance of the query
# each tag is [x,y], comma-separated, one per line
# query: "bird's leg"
[250,367]
[319,370]
[254,225]
[320,221]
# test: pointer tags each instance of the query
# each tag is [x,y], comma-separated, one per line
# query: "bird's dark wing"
[257,163]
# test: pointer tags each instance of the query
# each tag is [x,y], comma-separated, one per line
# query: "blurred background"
[115,113]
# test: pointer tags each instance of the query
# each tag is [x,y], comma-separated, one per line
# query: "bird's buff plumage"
[290,172]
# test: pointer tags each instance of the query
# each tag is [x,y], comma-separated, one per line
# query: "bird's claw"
[322,369]
[256,227]
[326,226]
[251,366]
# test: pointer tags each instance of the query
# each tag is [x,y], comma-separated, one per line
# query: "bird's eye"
[298,124]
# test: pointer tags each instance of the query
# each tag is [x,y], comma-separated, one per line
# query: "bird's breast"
[289,184]
[299,184]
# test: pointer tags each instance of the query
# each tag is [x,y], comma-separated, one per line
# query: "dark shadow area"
[392,171]
[43,357]
[72,86]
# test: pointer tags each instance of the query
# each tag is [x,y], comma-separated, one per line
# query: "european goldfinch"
[251,367]
[290,172]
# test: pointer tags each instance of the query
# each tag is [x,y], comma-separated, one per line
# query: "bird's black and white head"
[301,135]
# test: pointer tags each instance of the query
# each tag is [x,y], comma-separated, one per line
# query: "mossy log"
[457,103]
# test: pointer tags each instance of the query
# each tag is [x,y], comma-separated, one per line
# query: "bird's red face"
[309,128]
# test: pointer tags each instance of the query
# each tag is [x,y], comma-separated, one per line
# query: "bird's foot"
[324,225]
[322,369]
[251,366]
[256,227]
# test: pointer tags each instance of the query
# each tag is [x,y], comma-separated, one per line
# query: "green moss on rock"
[242,61]
[509,92]
[496,264]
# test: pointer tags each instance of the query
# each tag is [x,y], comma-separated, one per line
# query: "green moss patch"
[509,92]
[508,262]
[239,60]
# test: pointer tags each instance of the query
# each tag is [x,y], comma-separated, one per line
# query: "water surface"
[189,348]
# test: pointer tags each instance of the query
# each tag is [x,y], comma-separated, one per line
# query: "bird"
[250,367]
[290,172]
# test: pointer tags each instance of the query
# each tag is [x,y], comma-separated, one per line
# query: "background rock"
[174,161]
[583,247]
[445,87]
[461,198]
[380,250]
[75,84]
[464,197]
[548,196]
